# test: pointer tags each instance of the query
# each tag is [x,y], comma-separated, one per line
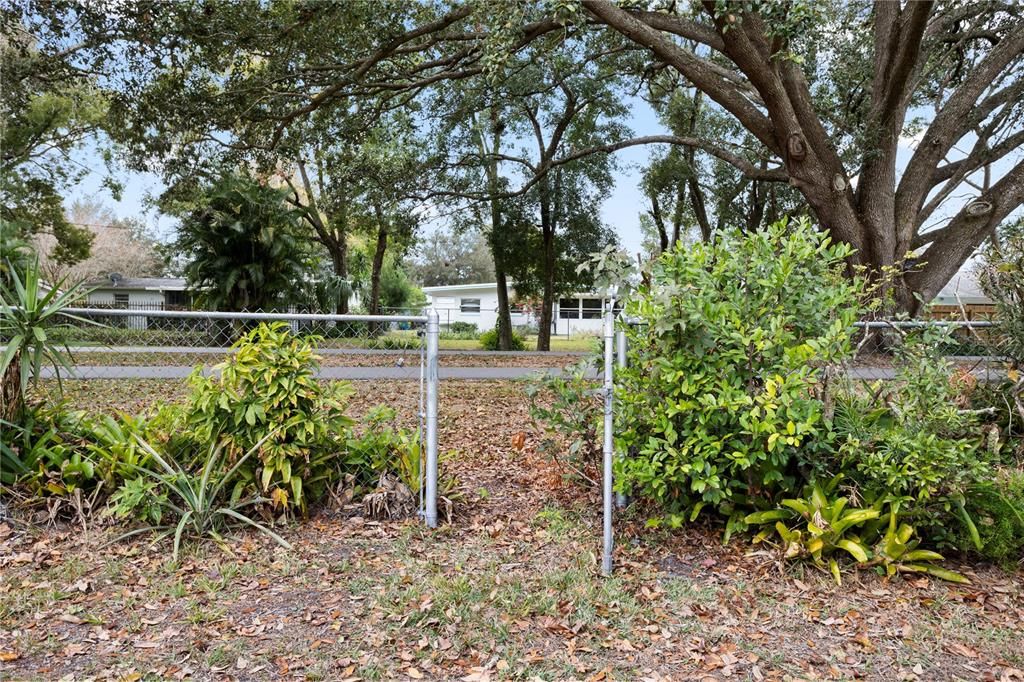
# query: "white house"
[478,304]
[139,293]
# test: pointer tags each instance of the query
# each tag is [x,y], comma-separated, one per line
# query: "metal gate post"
[620,350]
[433,332]
[609,354]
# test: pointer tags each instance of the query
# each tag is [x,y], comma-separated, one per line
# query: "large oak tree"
[831,93]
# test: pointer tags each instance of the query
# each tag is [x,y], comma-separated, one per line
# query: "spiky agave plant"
[29,312]
[198,505]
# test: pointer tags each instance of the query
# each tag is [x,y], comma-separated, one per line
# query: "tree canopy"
[897,125]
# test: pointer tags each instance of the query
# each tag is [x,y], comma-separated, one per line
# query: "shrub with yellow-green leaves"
[267,394]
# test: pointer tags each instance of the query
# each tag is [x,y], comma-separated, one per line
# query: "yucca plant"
[199,505]
[29,311]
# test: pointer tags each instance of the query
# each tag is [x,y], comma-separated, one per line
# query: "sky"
[620,210]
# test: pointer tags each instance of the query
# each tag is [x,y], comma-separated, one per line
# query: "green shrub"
[721,399]
[193,505]
[46,453]
[568,407]
[489,340]
[382,447]
[911,440]
[462,330]
[997,508]
[267,394]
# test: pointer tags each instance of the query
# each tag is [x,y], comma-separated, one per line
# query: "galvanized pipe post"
[433,332]
[620,350]
[609,450]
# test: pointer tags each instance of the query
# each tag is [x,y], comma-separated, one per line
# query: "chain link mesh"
[141,344]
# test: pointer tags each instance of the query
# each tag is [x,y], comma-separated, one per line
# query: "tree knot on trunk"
[796,147]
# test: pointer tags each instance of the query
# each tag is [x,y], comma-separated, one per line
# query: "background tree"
[451,256]
[241,247]
[556,98]
[691,193]
[48,110]
[121,245]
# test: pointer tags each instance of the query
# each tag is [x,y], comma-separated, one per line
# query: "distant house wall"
[136,297]
[478,304]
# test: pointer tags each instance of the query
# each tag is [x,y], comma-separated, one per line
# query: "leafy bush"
[1002,278]
[462,330]
[384,448]
[46,453]
[722,397]
[489,340]
[195,505]
[568,407]
[267,394]
[997,508]
[911,440]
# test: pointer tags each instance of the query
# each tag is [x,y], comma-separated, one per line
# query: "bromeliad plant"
[267,399]
[819,525]
[193,505]
[897,552]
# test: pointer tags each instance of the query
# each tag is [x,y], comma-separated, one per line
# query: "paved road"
[413,373]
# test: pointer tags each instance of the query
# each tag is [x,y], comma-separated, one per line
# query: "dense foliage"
[735,399]
[490,340]
[256,441]
[267,395]
[722,401]
[242,247]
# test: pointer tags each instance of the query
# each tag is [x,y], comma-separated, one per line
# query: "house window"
[175,298]
[469,305]
[120,300]
[592,308]
[569,308]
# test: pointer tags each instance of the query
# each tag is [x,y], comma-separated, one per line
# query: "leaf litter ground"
[510,590]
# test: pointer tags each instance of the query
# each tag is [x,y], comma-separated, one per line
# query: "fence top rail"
[914,324]
[889,324]
[217,315]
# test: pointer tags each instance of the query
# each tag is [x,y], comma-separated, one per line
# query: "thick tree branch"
[690,65]
[953,245]
[950,124]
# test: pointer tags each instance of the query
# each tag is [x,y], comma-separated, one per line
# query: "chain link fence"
[162,344]
[130,347]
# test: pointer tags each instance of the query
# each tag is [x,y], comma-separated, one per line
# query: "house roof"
[452,287]
[141,283]
[963,288]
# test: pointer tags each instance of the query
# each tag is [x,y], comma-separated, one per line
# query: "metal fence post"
[609,354]
[433,332]
[620,349]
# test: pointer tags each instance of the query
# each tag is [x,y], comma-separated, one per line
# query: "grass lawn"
[559,343]
[510,590]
